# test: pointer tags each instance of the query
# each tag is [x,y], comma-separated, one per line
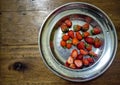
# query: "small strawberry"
[65,37]
[90,60]
[83,52]
[85,27]
[78,63]
[86,62]
[75,41]
[79,57]
[81,45]
[78,36]
[64,28]
[95,31]
[74,53]
[85,34]
[68,23]
[97,42]
[69,45]
[70,60]
[76,28]
[63,43]
[89,40]
[93,54]
[71,34]
[73,66]
[88,47]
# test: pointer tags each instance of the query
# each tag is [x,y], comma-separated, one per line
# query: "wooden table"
[20,21]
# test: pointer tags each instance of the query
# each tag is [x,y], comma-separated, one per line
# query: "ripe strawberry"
[70,60]
[95,31]
[89,40]
[85,34]
[79,57]
[88,19]
[75,41]
[97,42]
[78,36]
[65,37]
[88,47]
[69,45]
[78,63]
[64,28]
[63,43]
[76,28]
[71,34]
[68,23]
[81,45]
[85,62]
[85,27]
[72,66]
[90,60]
[74,53]
[83,52]
[93,54]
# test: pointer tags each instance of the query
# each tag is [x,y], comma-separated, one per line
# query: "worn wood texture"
[20,21]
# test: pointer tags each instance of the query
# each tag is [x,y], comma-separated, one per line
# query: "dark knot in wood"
[19,66]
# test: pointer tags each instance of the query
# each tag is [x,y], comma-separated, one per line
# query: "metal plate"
[55,56]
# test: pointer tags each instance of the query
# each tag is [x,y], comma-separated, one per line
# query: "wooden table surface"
[20,21]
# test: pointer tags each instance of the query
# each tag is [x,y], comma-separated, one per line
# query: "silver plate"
[55,56]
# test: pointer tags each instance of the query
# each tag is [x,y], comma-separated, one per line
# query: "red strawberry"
[70,60]
[76,28]
[83,52]
[68,23]
[97,42]
[72,66]
[71,34]
[64,28]
[85,34]
[63,43]
[93,54]
[85,27]
[95,31]
[79,57]
[88,47]
[74,53]
[90,60]
[85,62]
[78,63]
[65,37]
[81,45]
[88,19]
[89,40]
[78,36]
[69,45]
[75,41]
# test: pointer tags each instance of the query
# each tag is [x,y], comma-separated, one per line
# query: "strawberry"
[90,60]
[85,62]
[74,53]
[89,40]
[79,57]
[83,52]
[67,64]
[97,42]
[78,36]
[63,43]
[70,60]
[78,63]
[76,28]
[69,45]
[88,47]
[81,45]
[65,37]
[75,41]
[68,23]
[85,34]
[73,66]
[88,19]
[71,34]
[85,27]
[93,54]
[64,28]
[95,31]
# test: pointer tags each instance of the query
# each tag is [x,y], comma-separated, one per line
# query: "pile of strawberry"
[82,40]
